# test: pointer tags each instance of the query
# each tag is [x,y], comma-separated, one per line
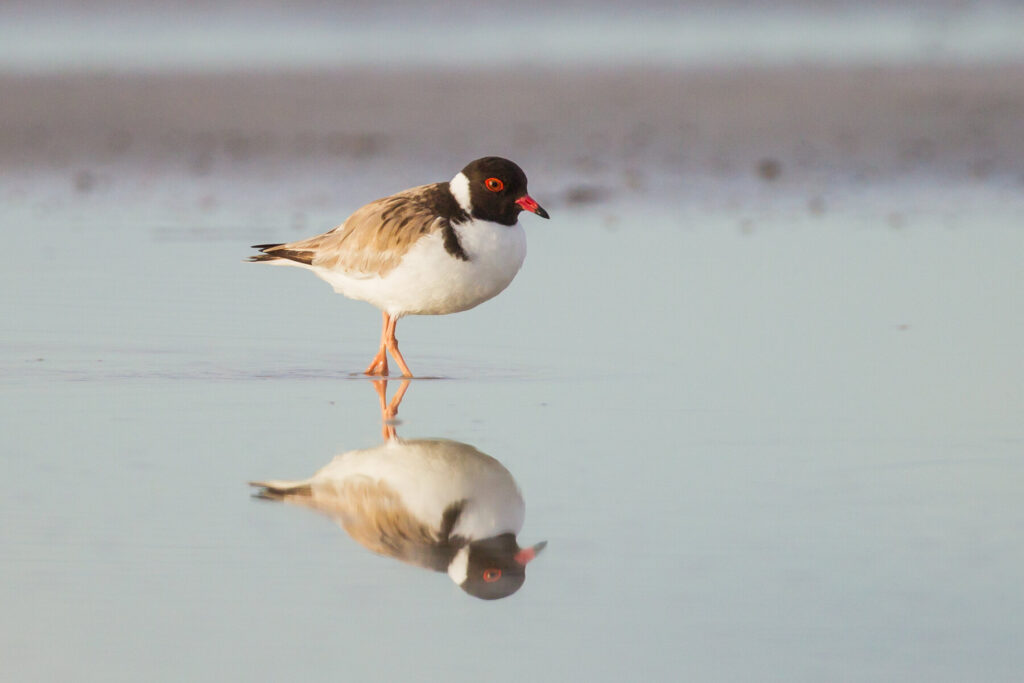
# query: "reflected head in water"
[434,503]
[492,568]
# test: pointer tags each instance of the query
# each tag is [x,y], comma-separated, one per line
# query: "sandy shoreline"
[965,122]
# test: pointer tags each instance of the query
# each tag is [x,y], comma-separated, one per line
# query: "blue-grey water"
[782,445]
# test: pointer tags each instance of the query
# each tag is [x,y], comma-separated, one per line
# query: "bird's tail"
[281,490]
[275,252]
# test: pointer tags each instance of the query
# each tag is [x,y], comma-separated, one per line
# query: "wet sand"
[955,122]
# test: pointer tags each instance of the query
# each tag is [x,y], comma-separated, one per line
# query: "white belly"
[430,281]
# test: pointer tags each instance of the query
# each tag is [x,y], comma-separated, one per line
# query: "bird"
[429,250]
[434,503]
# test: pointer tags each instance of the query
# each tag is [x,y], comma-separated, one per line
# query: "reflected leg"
[388,411]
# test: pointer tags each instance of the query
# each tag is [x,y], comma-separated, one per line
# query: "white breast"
[430,281]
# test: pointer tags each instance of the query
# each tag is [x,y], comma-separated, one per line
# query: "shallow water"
[763,443]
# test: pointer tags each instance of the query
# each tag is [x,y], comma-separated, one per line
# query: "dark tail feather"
[272,252]
[272,490]
[261,257]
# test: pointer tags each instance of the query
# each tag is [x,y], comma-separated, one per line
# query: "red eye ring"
[492,575]
[494,185]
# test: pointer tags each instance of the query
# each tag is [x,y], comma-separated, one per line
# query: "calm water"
[762,443]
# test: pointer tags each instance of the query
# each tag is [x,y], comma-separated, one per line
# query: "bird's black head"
[496,567]
[497,191]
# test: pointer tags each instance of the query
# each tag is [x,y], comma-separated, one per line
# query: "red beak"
[530,204]
[526,555]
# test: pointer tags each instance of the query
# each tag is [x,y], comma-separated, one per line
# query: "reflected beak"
[530,204]
[526,555]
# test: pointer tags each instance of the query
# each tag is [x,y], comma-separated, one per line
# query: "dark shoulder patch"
[449,517]
[440,200]
[451,241]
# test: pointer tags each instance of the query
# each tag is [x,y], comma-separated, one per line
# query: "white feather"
[429,475]
[431,281]
[458,569]
[459,187]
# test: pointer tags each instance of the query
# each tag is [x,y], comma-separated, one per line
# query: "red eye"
[492,575]
[494,185]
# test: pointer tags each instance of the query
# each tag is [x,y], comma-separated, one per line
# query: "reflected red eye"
[494,185]
[492,575]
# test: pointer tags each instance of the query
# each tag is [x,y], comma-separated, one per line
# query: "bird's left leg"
[379,364]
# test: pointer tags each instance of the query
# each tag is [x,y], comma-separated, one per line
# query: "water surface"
[771,444]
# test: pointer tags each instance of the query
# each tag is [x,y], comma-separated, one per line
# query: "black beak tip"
[542,213]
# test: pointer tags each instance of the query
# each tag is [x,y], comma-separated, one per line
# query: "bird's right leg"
[379,364]
[391,342]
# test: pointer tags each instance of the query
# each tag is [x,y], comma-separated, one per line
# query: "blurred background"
[609,99]
[759,380]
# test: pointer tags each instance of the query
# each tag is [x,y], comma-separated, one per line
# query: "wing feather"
[373,240]
[374,515]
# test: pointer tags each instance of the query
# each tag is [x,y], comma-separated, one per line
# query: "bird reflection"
[435,503]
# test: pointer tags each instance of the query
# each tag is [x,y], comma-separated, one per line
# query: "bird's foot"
[379,365]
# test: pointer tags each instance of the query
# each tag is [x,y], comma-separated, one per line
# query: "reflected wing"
[374,515]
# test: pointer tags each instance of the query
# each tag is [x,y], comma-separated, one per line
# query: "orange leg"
[396,400]
[389,411]
[379,364]
[392,345]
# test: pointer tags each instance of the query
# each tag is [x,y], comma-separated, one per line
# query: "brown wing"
[373,514]
[373,239]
